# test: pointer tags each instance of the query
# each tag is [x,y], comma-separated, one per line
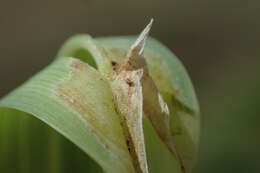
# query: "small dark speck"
[129,82]
[113,63]
[127,142]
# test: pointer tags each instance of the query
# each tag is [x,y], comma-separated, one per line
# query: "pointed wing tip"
[150,23]
[140,41]
[145,33]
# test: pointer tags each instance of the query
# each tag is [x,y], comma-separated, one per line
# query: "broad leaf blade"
[50,97]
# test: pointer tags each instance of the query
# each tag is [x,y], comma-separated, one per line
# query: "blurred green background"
[217,40]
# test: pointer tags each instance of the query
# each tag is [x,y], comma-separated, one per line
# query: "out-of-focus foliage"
[230,139]
[25,140]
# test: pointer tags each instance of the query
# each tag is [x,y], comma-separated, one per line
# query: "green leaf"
[73,95]
[58,96]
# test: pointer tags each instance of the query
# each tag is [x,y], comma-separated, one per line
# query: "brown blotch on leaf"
[77,64]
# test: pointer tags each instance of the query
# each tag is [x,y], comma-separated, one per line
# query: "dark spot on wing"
[114,65]
[130,83]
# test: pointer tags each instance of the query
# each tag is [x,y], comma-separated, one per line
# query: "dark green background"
[217,40]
